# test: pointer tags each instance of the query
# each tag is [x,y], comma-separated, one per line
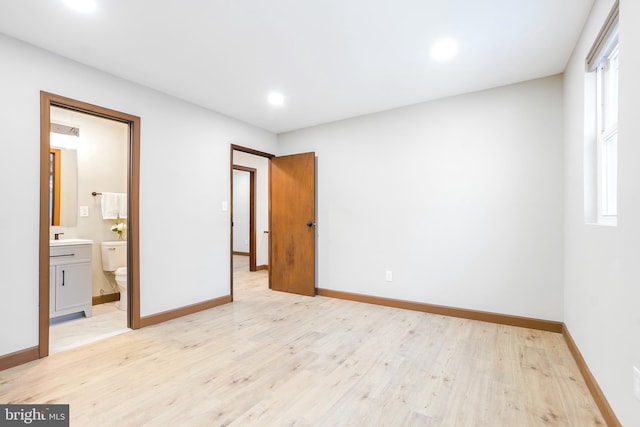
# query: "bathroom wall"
[102,166]
[184,178]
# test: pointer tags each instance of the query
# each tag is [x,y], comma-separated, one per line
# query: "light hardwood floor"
[276,359]
[106,321]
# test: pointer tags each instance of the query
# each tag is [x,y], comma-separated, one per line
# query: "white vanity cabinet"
[69,277]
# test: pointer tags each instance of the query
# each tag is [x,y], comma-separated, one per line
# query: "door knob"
[310,224]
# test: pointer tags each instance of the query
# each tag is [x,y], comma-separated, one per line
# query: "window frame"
[607,136]
[602,62]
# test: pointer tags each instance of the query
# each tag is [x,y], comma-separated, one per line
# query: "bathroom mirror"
[63,185]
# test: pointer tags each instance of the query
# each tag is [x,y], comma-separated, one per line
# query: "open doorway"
[70,252]
[289,241]
[87,300]
[244,213]
[249,217]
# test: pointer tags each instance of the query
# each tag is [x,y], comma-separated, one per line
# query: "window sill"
[609,222]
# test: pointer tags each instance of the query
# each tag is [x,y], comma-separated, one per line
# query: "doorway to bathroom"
[89,208]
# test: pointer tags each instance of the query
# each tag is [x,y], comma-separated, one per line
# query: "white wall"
[602,290]
[184,233]
[461,198]
[261,164]
[241,210]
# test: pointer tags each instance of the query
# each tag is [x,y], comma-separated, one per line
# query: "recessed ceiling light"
[82,6]
[275,98]
[444,49]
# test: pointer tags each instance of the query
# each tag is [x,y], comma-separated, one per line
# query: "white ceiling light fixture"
[444,49]
[275,98]
[81,6]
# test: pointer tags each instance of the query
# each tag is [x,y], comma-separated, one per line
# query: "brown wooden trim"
[252,213]
[252,220]
[243,168]
[598,396]
[270,255]
[183,311]
[44,226]
[250,151]
[104,298]
[241,253]
[47,100]
[262,267]
[231,221]
[57,155]
[133,226]
[18,358]
[503,319]
[85,107]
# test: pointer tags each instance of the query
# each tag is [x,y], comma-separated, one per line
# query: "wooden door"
[292,229]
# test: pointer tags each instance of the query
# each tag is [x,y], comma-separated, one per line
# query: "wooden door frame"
[48,100]
[234,147]
[252,213]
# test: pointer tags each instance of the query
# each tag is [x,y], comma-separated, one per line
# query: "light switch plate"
[84,211]
[225,206]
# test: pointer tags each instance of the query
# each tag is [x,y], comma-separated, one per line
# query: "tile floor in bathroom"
[106,321]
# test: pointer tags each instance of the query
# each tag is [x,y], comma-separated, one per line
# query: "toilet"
[114,260]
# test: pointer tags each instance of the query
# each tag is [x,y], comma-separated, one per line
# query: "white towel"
[122,205]
[110,205]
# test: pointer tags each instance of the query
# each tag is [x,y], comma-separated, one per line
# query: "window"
[602,61]
[607,134]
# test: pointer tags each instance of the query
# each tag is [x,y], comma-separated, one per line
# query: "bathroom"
[94,161]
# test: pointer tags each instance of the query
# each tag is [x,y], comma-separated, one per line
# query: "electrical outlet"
[389,276]
[636,382]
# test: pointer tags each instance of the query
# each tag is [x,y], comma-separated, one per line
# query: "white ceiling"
[332,59]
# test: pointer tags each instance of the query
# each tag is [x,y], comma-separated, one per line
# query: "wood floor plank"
[276,359]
